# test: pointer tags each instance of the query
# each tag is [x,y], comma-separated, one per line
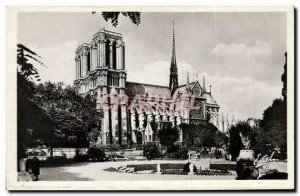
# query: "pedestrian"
[35,167]
[216,153]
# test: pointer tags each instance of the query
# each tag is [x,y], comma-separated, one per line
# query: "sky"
[241,54]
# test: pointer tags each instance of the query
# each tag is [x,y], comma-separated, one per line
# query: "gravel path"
[98,171]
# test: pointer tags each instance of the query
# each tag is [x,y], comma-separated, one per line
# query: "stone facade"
[100,71]
[146,108]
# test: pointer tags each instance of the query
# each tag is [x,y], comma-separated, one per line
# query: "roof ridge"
[185,84]
[155,85]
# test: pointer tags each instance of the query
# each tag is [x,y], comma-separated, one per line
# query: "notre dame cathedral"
[100,71]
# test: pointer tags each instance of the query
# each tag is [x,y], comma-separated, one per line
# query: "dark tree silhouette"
[273,129]
[168,135]
[135,17]
[26,68]
[200,135]
[49,114]
[28,113]
[76,119]
[242,128]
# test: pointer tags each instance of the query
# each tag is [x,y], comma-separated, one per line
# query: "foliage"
[96,154]
[273,129]
[265,135]
[49,114]
[135,17]
[28,113]
[235,141]
[168,136]
[220,139]
[186,167]
[207,135]
[201,135]
[143,167]
[164,166]
[242,136]
[25,67]
[151,151]
[76,120]
[275,116]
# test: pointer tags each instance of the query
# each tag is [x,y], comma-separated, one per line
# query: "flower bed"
[171,166]
[223,167]
[174,172]
[143,167]
[212,173]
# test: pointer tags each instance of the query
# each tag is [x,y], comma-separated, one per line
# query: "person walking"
[35,167]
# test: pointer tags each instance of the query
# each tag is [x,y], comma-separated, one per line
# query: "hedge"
[143,167]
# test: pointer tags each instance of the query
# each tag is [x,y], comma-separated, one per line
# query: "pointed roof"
[204,87]
[187,80]
[173,59]
[113,91]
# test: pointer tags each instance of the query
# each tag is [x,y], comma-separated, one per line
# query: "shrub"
[151,151]
[143,167]
[195,169]
[96,154]
[81,157]
[186,168]
[171,166]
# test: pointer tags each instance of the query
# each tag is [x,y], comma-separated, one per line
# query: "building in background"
[137,119]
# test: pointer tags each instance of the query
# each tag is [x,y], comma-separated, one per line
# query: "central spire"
[173,85]
[173,60]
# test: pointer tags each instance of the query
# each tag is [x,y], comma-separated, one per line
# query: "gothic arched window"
[114,53]
[107,56]
[88,62]
[79,66]
[123,58]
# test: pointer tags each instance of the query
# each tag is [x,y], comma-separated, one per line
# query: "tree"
[150,150]
[242,136]
[168,135]
[50,114]
[33,124]
[27,69]
[135,17]
[207,135]
[76,119]
[273,129]
[220,139]
[199,135]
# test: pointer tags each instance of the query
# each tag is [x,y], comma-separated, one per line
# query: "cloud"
[158,73]
[242,96]
[59,60]
[259,48]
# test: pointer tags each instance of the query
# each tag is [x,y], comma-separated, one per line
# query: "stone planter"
[247,155]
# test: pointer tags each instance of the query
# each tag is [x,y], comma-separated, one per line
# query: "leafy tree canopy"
[51,114]
[168,135]
[113,17]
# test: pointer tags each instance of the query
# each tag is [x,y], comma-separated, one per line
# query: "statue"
[245,167]
[158,168]
[191,167]
[245,140]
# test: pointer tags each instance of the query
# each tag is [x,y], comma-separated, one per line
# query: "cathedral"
[133,113]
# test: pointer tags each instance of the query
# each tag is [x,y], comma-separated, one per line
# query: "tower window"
[114,53]
[107,57]
[88,62]
[123,59]
[79,62]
